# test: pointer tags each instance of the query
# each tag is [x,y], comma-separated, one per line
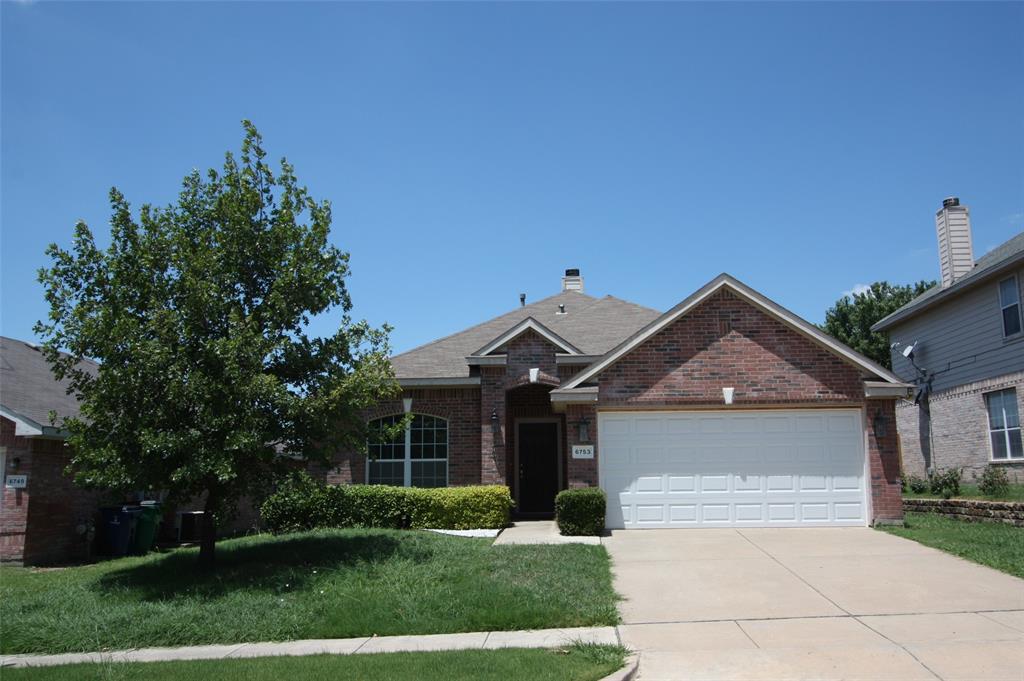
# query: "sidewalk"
[486,640]
[538,532]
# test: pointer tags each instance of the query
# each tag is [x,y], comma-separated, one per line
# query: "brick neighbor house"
[962,343]
[727,410]
[44,517]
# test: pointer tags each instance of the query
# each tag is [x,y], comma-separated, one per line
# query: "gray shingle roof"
[594,325]
[27,386]
[1002,255]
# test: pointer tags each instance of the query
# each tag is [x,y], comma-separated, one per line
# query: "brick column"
[582,472]
[492,442]
[886,496]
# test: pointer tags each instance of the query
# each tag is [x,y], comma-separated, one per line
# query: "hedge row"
[303,503]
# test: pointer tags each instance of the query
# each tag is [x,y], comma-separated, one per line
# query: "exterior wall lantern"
[407,404]
[14,464]
[880,424]
[494,420]
[727,394]
[534,375]
[583,429]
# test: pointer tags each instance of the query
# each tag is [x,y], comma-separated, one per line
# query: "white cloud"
[857,289]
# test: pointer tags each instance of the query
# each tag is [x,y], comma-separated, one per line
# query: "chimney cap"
[950,201]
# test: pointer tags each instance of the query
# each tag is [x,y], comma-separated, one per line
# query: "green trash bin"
[145,527]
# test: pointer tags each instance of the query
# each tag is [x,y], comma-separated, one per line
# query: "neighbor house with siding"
[962,344]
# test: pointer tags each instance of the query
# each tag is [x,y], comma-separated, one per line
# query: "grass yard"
[322,584]
[996,545]
[576,663]
[970,491]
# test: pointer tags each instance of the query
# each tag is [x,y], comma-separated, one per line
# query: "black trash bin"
[117,526]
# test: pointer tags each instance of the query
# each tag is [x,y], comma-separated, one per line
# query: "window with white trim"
[1004,425]
[416,458]
[1009,304]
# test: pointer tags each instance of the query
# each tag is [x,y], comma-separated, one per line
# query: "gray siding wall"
[961,340]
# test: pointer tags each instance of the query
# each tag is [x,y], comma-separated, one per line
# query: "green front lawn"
[970,491]
[576,663]
[321,584]
[996,545]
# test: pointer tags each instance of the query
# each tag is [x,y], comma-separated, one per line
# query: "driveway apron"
[829,603]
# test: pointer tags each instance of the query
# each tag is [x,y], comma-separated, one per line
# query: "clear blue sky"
[474,151]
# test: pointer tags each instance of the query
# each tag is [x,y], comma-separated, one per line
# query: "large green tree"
[851,318]
[208,383]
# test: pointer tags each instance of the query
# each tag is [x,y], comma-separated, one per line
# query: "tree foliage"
[208,383]
[851,318]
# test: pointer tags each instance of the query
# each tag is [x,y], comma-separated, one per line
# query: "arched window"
[417,458]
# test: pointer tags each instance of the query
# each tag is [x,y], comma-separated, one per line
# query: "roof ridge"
[492,319]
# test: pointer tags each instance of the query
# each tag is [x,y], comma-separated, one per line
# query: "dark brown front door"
[538,467]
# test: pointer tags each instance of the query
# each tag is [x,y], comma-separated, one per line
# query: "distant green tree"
[851,318]
[197,312]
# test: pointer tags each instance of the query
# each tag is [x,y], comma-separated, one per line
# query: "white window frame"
[989,430]
[1003,306]
[408,460]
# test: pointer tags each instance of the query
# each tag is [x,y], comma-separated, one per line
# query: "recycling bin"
[145,527]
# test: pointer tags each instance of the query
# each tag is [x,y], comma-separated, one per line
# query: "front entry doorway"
[537,448]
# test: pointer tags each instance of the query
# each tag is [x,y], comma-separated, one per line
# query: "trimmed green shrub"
[302,503]
[461,508]
[945,483]
[994,482]
[580,511]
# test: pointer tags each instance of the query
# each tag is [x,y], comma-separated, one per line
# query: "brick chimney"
[953,225]
[572,281]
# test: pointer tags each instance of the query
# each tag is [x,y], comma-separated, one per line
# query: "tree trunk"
[208,535]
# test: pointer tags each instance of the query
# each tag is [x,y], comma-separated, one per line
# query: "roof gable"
[749,295]
[591,325]
[528,324]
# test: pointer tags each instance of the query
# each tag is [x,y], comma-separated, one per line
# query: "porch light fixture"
[727,394]
[534,375]
[583,428]
[880,424]
[14,464]
[407,404]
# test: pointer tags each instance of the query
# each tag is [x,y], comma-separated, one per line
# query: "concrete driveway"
[843,603]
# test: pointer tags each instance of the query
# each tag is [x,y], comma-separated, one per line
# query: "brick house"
[44,517]
[962,344]
[725,410]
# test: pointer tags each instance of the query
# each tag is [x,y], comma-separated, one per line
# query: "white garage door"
[753,468]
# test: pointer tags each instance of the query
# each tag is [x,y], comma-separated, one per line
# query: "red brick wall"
[41,524]
[884,463]
[459,406]
[728,342]
[581,472]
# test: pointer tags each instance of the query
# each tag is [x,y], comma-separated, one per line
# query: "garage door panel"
[683,469]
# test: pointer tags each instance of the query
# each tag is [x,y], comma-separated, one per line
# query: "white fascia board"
[23,426]
[751,296]
[562,359]
[528,324]
[447,382]
[586,395]
[487,360]
[881,389]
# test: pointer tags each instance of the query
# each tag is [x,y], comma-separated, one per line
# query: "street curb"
[627,673]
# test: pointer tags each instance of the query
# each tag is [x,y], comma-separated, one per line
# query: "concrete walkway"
[843,603]
[483,640]
[538,532]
